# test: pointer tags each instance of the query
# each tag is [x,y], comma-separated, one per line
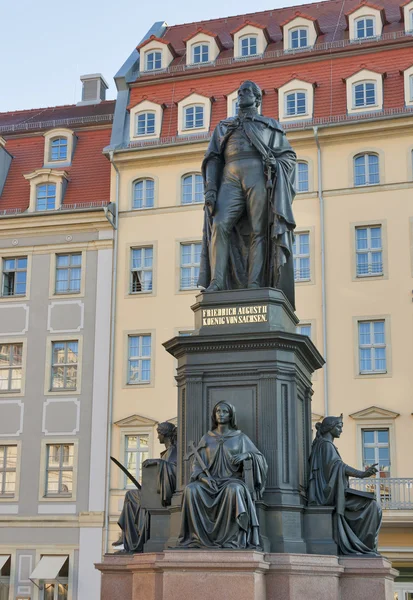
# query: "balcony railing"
[391,493]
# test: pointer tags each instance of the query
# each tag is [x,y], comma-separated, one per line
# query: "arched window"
[365,28]
[296,103]
[192,189]
[301,179]
[194,116]
[366,169]
[153,60]
[143,194]
[200,53]
[58,149]
[299,38]
[364,94]
[248,45]
[145,123]
[46,196]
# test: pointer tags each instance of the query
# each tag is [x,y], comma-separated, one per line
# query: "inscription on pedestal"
[235,315]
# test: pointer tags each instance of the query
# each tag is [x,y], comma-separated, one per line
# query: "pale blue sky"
[47,45]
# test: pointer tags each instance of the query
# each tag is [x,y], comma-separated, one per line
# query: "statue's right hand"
[210,482]
[210,201]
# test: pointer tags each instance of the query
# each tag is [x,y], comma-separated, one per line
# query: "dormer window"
[47,189]
[248,45]
[153,60]
[296,100]
[46,196]
[296,104]
[364,94]
[364,91]
[194,117]
[408,86]
[145,123]
[58,149]
[365,28]
[299,38]
[200,53]
[411,20]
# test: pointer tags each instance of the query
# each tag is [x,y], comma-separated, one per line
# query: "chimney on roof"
[94,88]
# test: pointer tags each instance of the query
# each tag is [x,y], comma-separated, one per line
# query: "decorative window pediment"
[202,47]
[296,100]
[408,86]
[407,13]
[145,121]
[364,91]
[300,31]
[155,54]
[136,421]
[374,412]
[365,21]
[59,145]
[250,39]
[194,114]
[47,188]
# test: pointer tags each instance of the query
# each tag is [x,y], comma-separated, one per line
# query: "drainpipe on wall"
[115,225]
[323,269]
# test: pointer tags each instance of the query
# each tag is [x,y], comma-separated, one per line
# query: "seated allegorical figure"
[218,509]
[134,520]
[357,516]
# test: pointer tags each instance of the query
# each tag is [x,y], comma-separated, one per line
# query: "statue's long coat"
[268,137]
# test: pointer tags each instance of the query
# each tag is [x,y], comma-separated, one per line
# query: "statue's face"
[161,437]
[337,430]
[246,97]
[222,414]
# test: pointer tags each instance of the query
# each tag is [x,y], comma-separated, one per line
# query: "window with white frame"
[376,450]
[141,270]
[153,60]
[304,329]
[143,194]
[302,183]
[58,149]
[411,87]
[59,470]
[369,251]
[65,356]
[11,366]
[192,189]
[136,452]
[364,94]
[301,252]
[190,261]
[139,359]
[8,470]
[200,53]
[68,273]
[298,38]
[194,116]
[411,20]
[14,276]
[295,104]
[46,196]
[145,123]
[365,27]
[5,579]
[372,347]
[366,169]
[235,107]
[248,45]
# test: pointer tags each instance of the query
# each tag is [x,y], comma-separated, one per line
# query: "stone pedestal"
[245,350]
[243,575]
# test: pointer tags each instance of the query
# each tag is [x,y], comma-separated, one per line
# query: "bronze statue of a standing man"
[249,171]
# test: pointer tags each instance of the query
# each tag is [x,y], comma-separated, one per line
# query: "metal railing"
[10,212]
[32,125]
[393,493]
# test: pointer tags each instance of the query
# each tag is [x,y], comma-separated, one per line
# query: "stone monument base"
[244,575]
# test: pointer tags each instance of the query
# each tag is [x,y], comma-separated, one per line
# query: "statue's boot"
[118,542]
[213,287]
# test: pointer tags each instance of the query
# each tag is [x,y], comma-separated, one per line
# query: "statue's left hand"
[239,458]
[149,462]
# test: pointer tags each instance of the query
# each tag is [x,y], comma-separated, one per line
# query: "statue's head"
[223,412]
[249,94]
[333,425]
[168,431]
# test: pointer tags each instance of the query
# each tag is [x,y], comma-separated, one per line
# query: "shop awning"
[48,567]
[3,559]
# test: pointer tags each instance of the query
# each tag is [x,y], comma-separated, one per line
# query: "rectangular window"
[299,38]
[194,117]
[248,46]
[5,578]
[369,252]
[59,469]
[141,270]
[301,251]
[190,261]
[46,196]
[64,365]
[11,367]
[55,590]
[366,169]
[364,95]
[295,104]
[192,189]
[376,450]
[304,329]
[139,359]
[302,177]
[145,123]
[153,61]
[364,28]
[8,467]
[200,53]
[68,273]
[14,276]
[136,451]
[372,346]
